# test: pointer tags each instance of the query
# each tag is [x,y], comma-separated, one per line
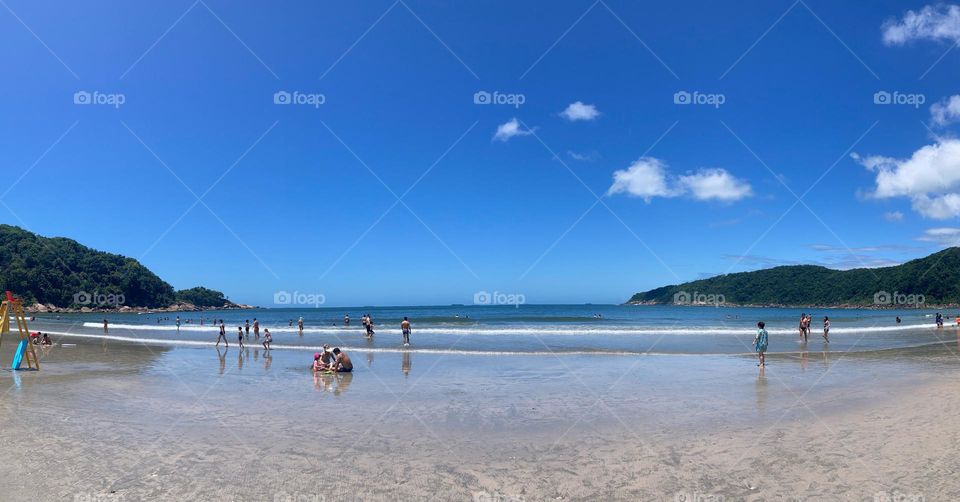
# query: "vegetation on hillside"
[936,278]
[64,273]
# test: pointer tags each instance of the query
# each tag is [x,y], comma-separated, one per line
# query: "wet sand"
[116,421]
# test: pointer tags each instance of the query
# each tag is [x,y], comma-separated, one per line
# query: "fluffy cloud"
[945,111]
[933,22]
[942,236]
[930,178]
[647,178]
[715,184]
[509,130]
[579,111]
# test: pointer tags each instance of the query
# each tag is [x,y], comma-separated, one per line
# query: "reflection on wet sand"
[405,365]
[337,383]
[267,359]
[223,360]
[762,391]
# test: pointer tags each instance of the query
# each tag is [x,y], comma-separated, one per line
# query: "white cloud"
[933,22]
[645,178]
[942,236]
[510,129]
[648,178]
[946,111]
[894,216]
[715,184]
[579,111]
[930,178]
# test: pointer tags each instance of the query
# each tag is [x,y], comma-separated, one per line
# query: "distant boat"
[456,305]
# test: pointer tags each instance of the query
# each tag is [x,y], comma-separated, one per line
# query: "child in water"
[760,343]
[267,339]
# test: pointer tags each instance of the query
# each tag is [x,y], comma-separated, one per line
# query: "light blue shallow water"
[534,329]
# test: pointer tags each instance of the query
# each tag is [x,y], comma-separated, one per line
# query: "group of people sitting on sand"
[39,338]
[331,361]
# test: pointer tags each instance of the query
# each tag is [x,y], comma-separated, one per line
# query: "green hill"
[65,273]
[936,278]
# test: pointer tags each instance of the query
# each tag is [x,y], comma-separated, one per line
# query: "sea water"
[625,330]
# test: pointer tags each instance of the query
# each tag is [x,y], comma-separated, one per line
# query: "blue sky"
[625,192]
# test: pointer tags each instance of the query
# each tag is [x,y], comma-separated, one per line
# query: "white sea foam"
[568,330]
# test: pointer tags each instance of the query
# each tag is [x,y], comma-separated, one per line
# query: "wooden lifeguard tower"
[12,307]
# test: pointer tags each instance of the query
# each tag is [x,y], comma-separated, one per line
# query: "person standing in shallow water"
[826,329]
[405,330]
[223,335]
[256,328]
[240,336]
[760,343]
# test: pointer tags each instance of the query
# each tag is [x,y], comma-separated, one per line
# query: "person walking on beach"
[803,326]
[104,324]
[240,336]
[223,335]
[405,329]
[939,320]
[826,328]
[267,337]
[256,328]
[246,325]
[760,343]
[369,328]
[300,325]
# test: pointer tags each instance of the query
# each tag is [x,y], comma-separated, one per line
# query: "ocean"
[617,330]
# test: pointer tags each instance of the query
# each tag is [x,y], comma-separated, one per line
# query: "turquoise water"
[533,329]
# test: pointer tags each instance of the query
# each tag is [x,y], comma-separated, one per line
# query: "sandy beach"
[119,421]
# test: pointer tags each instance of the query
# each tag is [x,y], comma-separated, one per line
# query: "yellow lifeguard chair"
[12,307]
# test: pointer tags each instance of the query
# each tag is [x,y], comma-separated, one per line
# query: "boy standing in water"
[760,343]
[826,328]
[240,336]
[223,335]
[246,324]
[300,325]
[405,329]
[256,328]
